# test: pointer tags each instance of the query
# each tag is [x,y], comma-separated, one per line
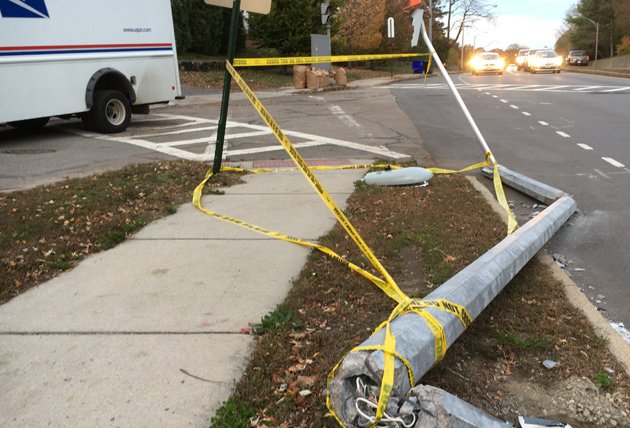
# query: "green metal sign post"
[227,83]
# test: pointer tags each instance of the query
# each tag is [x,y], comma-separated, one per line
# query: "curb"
[616,345]
[609,73]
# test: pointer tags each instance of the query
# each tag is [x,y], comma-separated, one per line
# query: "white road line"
[551,88]
[617,89]
[332,141]
[503,101]
[312,140]
[526,113]
[212,139]
[191,118]
[601,173]
[517,88]
[487,93]
[563,134]
[341,114]
[514,107]
[585,146]
[588,88]
[181,131]
[495,96]
[543,123]
[614,162]
[156,128]
[206,140]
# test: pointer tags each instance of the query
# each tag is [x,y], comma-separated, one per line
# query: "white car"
[545,60]
[520,58]
[487,62]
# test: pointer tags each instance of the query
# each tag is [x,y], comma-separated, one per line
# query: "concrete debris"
[550,364]
[440,409]
[562,259]
[621,329]
[527,422]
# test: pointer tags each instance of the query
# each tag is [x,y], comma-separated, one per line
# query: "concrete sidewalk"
[149,333]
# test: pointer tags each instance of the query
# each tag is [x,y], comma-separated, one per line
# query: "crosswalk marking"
[588,88]
[178,145]
[513,87]
[614,162]
[623,88]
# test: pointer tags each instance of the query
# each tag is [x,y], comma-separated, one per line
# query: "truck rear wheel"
[111,112]
[38,123]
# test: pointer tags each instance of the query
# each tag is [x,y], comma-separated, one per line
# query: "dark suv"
[577,58]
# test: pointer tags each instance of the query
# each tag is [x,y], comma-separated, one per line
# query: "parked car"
[487,62]
[520,58]
[545,60]
[577,58]
[527,61]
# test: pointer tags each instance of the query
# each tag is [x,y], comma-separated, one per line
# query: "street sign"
[390,28]
[255,6]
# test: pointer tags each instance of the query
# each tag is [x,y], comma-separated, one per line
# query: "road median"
[424,236]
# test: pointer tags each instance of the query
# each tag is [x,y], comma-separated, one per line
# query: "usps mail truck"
[100,60]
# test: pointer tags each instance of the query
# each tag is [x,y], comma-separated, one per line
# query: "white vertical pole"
[451,85]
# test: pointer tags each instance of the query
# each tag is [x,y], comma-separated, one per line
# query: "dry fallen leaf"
[307,381]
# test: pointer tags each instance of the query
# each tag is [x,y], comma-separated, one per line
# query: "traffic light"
[326,12]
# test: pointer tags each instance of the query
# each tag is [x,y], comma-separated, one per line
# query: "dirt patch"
[49,229]
[423,236]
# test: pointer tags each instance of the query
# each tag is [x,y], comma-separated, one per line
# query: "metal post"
[596,41]
[431,20]
[227,83]
[462,61]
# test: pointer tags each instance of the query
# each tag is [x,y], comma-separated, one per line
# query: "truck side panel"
[47,62]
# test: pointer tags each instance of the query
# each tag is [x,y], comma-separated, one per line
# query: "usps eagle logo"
[23,9]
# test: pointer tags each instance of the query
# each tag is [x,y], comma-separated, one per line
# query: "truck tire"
[110,113]
[38,123]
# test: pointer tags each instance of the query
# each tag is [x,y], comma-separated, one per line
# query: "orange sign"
[413,4]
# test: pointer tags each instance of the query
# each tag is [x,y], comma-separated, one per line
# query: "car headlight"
[476,63]
[501,64]
[558,61]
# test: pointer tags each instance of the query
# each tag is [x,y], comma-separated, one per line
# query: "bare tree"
[461,12]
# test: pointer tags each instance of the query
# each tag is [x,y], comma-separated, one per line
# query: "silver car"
[545,60]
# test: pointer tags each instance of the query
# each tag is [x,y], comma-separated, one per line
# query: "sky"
[530,23]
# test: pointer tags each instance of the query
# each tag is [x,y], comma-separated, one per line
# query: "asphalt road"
[337,125]
[567,130]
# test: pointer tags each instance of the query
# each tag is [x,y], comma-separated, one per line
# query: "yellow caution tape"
[262,62]
[426,74]
[387,285]
[315,183]
[498,189]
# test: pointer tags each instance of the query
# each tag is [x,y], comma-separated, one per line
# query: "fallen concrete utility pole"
[474,288]
[535,189]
